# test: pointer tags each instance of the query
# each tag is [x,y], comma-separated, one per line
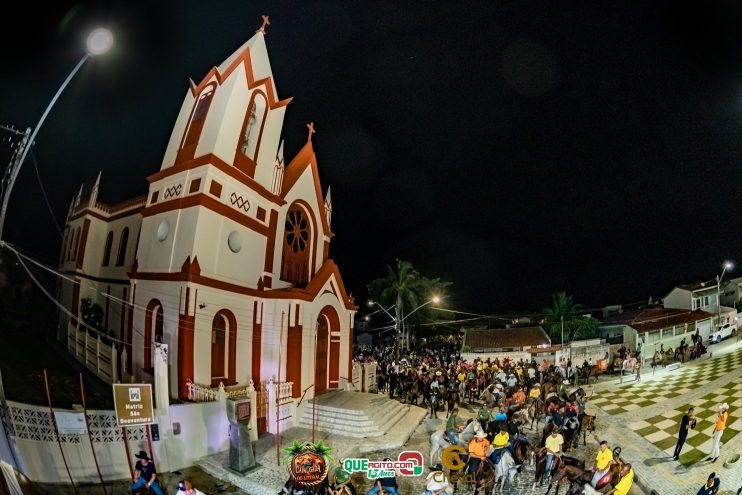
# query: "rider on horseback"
[553,444]
[477,452]
[500,443]
[452,428]
[603,462]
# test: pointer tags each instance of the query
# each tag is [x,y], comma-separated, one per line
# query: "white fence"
[96,355]
[278,400]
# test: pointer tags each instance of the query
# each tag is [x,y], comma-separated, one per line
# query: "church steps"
[354,414]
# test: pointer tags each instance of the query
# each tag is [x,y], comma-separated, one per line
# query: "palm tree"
[563,309]
[407,291]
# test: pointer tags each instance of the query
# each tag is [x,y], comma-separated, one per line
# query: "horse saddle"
[604,480]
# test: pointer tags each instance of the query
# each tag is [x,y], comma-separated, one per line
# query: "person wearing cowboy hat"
[721,424]
[477,451]
[535,392]
[145,474]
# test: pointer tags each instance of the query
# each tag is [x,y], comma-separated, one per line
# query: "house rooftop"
[708,284]
[645,320]
[490,339]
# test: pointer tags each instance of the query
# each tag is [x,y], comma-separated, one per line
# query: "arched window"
[254,125]
[196,125]
[107,249]
[121,258]
[223,348]
[297,245]
[153,331]
[73,248]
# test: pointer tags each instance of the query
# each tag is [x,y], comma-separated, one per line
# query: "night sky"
[513,148]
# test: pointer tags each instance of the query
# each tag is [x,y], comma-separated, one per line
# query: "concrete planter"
[732,461]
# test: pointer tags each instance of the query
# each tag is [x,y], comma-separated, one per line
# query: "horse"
[536,409]
[434,398]
[505,469]
[451,399]
[587,423]
[558,461]
[472,390]
[579,474]
[413,392]
[439,440]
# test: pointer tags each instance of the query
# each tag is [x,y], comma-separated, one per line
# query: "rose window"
[297,233]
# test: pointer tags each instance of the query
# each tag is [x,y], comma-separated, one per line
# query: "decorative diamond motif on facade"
[173,191]
[239,202]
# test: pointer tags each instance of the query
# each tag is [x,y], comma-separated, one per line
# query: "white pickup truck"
[721,333]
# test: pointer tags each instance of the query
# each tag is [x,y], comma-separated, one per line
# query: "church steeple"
[94,192]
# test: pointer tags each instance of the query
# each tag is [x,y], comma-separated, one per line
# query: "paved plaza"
[643,418]
[644,425]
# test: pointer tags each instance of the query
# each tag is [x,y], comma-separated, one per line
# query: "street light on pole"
[99,41]
[398,321]
[728,265]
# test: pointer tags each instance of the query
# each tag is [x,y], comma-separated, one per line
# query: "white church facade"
[226,259]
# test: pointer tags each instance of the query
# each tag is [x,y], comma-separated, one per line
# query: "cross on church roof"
[310,126]
[266,22]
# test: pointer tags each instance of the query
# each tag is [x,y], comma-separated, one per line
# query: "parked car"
[721,333]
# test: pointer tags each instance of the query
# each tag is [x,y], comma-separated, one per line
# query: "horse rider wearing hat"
[477,452]
[145,474]
[535,392]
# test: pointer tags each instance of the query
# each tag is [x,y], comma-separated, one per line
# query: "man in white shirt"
[437,483]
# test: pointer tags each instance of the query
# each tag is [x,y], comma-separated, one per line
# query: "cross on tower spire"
[266,22]
[310,126]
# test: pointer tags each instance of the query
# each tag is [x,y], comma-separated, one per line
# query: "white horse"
[506,468]
[439,441]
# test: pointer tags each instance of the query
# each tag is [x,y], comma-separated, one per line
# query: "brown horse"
[584,477]
[536,408]
[556,464]
[587,423]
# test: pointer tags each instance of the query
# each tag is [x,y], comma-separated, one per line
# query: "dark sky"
[513,148]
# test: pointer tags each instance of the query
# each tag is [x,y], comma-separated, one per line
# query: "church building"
[226,258]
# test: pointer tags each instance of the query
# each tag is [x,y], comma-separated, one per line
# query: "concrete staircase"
[354,414]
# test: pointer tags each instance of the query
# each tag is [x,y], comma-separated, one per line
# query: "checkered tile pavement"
[635,396]
[662,430]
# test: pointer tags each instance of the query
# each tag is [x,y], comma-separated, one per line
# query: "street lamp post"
[398,321]
[99,41]
[727,266]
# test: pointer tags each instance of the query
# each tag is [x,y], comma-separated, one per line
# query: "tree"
[564,309]
[406,290]
[91,313]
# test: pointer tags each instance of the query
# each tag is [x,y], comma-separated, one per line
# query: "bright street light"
[99,41]
[728,265]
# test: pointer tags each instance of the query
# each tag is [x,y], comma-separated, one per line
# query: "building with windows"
[226,258]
